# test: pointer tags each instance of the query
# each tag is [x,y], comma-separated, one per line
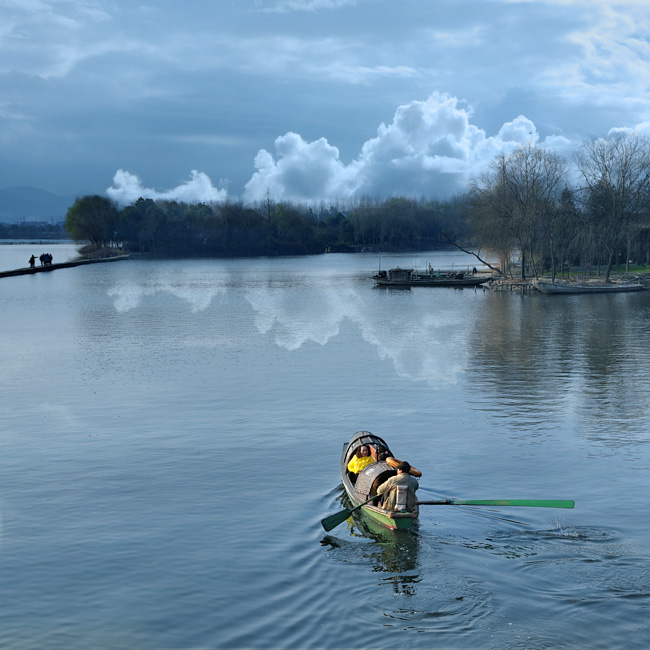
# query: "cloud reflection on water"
[423,345]
[129,295]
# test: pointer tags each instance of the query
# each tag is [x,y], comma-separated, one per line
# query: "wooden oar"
[533,503]
[334,520]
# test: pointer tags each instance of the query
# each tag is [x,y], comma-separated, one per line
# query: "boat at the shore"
[398,277]
[361,487]
[584,287]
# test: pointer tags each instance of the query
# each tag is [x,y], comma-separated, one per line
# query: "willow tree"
[616,173]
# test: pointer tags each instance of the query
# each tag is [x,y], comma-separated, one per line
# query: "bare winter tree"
[616,173]
[517,200]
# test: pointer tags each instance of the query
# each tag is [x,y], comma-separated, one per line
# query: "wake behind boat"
[398,277]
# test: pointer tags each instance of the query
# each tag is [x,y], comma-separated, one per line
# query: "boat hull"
[558,288]
[398,277]
[431,282]
[368,480]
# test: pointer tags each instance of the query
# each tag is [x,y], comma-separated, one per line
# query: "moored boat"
[584,287]
[362,486]
[398,277]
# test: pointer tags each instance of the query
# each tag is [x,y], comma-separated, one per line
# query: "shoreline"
[28,270]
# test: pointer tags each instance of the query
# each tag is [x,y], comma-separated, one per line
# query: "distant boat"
[398,277]
[584,287]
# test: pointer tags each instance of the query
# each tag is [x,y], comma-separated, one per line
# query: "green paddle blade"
[532,503]
[334,520]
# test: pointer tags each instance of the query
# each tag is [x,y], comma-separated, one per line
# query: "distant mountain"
[32,204]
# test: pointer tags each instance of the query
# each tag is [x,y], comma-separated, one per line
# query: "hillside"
[32,204]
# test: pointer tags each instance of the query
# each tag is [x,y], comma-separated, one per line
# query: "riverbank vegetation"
[531,210]
[33,230]
[168,228]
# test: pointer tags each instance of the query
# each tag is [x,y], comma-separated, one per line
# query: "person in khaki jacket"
[389,489]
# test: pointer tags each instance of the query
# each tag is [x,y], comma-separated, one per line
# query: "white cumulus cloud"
[430,148]
[127,188]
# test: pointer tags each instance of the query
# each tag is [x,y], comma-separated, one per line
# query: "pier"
[28,270]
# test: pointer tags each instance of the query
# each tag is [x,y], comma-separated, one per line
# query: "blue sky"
[306,99]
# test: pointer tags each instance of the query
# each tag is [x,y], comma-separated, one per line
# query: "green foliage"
[93,218]
[168,228]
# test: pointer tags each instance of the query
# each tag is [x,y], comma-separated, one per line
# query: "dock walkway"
[28,270]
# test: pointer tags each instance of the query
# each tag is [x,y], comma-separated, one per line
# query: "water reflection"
[583,355]
[526,358]
[422,344]
[385,551]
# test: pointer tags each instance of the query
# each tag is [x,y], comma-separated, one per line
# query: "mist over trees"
[530,209]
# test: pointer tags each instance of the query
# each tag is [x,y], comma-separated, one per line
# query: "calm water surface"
[170,436]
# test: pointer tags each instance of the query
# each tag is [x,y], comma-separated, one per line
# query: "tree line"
[33,230]
[530,208]
[532,205]
[169,228]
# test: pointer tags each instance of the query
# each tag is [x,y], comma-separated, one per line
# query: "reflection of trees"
[541,354]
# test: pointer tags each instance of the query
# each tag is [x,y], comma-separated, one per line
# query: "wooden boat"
[584,287]
[398,277]
[370,478]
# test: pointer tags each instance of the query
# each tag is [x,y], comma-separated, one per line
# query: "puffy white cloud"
[127,188]
[303,171]
[643,129]
[430,148]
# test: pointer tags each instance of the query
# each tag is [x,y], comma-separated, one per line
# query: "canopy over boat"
[363,486]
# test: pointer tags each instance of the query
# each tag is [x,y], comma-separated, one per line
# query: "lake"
[170,437]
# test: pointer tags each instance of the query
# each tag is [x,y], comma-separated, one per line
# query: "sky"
[306,100]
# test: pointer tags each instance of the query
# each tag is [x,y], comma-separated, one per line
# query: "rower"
[399,490]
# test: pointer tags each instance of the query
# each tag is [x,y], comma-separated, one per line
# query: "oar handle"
[372,498]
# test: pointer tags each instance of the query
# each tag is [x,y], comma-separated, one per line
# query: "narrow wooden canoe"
[369,479]
[576,287]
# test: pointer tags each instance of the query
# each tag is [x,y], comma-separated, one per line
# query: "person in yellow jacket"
[360,460]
